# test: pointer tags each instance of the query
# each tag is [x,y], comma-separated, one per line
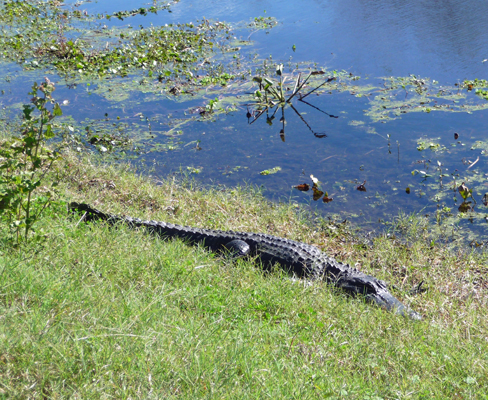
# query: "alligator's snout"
[386,300]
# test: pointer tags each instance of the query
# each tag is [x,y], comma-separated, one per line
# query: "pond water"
[442,40]
[410,147]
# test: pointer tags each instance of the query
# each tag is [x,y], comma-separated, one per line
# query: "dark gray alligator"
[298,258]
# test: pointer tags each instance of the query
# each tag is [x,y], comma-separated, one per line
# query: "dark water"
[442,40]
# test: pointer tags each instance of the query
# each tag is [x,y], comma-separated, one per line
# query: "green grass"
[94,312]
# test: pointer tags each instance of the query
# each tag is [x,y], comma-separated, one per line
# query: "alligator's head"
[377,292]
[386,300]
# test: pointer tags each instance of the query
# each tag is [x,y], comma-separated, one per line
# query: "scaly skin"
[297,258]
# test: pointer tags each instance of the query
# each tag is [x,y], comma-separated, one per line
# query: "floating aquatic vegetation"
[53,36]
[270,171]
[263,23]
[402,95]
[431,144]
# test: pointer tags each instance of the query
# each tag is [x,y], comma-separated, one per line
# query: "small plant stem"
[18,228]
[282,97]
[42,209]
[299,88]
[297,82]
[27,214]
[309,93]
[33,167]
[276,109]
[274,92]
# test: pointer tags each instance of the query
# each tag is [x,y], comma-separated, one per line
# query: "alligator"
[300,259]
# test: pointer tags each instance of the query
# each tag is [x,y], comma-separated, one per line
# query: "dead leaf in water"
[326,198]
[304,187]
[317,194]
[362,187]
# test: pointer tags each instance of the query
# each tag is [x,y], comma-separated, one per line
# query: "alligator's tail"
[92,214]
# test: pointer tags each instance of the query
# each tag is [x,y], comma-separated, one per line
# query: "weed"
[211,104]
[24,162]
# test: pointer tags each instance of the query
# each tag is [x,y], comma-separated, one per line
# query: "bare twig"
[309,93]
[297,82]
[299,87]
[474,162]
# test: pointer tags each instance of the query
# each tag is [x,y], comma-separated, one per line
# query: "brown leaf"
[304,187]
[327,199]
[361,187]
[317,194]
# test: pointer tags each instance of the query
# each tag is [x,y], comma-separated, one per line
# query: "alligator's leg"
[237,248]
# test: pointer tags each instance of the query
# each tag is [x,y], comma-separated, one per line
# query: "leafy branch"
[24,162]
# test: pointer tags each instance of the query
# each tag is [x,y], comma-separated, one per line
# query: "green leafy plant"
[274,95]
[209,108]
[24,162]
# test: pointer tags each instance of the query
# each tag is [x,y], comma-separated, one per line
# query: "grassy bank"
[94,312]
